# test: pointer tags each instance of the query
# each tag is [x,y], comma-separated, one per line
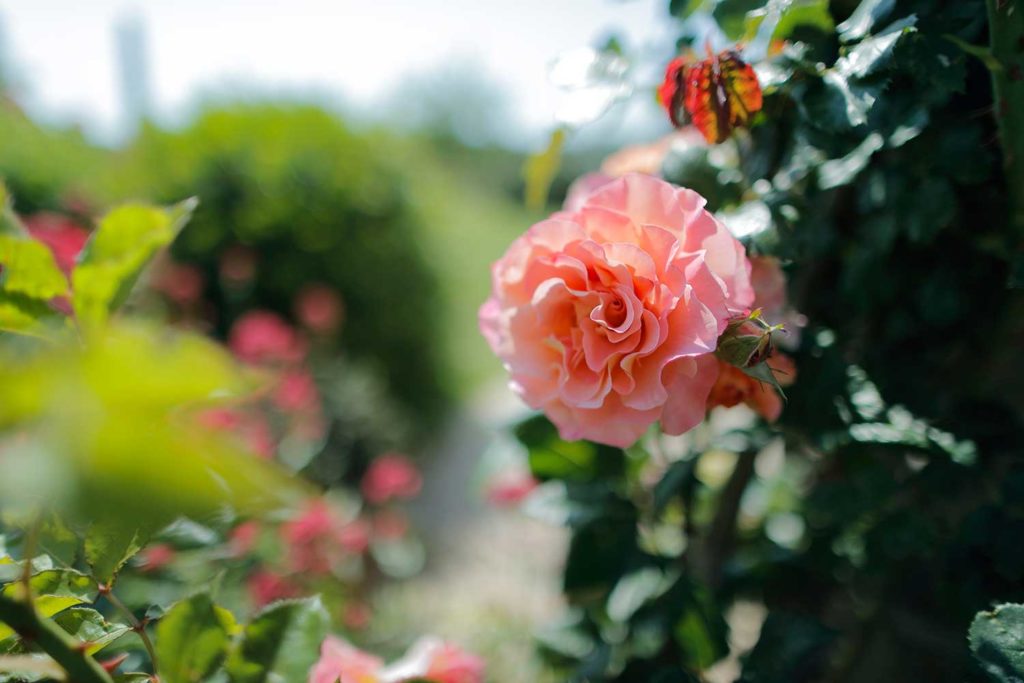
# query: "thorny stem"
[137,626]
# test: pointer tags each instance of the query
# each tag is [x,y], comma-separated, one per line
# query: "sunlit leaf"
[123,242]
[281,643]
[90,627]
[54,591]
[997,641]
[29,269]
[864,18]
[192,639]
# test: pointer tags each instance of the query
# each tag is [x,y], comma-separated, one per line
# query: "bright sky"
[63,52]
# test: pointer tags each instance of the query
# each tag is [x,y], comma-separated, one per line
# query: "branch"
[62,647]
[721,536]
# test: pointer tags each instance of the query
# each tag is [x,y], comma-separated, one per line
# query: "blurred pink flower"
[340,662]
[649,158]
[357,615]
[262,336]
[64,237]
[155,557]
[310,538]
[770,296]
[391,476]
[251,427]
[510,488]
[319,308]
[432,659]
[354,537]
[265,587]
[182,283]
[606,316]
[296,392]
[242,539]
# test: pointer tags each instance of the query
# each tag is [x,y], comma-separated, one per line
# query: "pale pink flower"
[242,539]
[584,186]
[340,662]
[432,659]
[391,476]
[606,316]
[649,158]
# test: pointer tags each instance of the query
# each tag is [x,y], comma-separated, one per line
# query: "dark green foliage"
[879,158]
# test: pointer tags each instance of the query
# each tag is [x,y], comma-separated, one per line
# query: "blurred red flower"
[391,476]
[265,586]
[262,336]
[155,557]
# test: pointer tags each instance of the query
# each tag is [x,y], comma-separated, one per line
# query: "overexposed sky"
[64,56]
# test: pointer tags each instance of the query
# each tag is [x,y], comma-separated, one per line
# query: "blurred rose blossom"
[340,662]
[63,236]
[391,476]
[319,308]
[262,336]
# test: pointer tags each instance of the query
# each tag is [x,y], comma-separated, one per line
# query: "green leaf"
[23,314]
[552,458]
[836,172]
[90,627]
[684,8]
[55,590]
[997,641]
[109,544]
[123,243]
[792,15]
[192,639]
[701,631]
[30,269]
[677,478]
[281,643]
[864,18]
[731,15]
[540,169]
[873,54]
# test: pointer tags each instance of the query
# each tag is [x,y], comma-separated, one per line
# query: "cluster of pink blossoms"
[607,314]
[429,659]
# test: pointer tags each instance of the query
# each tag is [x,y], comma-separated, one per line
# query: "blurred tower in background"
[133,68]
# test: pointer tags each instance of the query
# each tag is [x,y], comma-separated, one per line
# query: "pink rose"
[340,662]
[431,659]
[606,316]
[319,308]
[391,476]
